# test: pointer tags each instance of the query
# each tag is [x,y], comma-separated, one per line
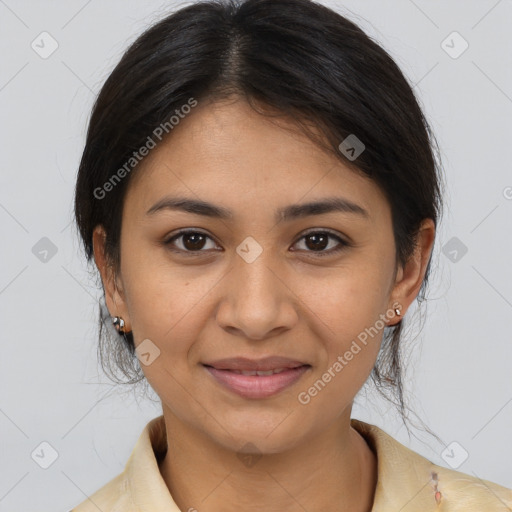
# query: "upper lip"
[245,364]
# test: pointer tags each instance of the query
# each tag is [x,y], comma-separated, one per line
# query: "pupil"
[320,241]
[197,241]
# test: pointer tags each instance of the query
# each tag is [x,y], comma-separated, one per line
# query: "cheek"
[351,331]
[347,299]
[348,307]
[166,308]
[165,302]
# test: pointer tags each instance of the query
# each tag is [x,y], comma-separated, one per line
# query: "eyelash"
[323,253]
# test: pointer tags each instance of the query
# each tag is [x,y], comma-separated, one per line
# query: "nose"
[256,302]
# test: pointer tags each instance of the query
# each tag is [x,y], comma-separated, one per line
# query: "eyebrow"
[287,213]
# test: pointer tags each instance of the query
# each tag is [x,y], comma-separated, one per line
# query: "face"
[257,274]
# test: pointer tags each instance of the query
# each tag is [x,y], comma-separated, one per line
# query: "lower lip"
[257,386]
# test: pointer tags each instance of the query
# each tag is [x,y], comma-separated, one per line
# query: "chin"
[260,436]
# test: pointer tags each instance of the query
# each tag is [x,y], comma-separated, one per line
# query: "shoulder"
[470,493]
[140,486]
[410,482]
[112,497]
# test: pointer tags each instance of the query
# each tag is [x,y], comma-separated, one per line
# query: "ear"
[114,294]
[409,277]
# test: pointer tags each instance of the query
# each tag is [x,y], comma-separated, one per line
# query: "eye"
[317,241]
[190,241]
[194,242]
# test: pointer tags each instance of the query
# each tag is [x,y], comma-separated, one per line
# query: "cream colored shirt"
[404,481]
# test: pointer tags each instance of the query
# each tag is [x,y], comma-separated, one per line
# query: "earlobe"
[394,314]
[410,276]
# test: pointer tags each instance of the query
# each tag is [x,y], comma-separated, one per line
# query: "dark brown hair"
[302,60]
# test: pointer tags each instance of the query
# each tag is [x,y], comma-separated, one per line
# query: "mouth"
[253,372]
[257,379]
[267,364]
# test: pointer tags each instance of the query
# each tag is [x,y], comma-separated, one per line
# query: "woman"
[260,194]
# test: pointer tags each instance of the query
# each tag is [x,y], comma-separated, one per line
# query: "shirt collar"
[404,478]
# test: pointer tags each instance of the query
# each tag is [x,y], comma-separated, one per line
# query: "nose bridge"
[259,275]
[255,300]
[255,279]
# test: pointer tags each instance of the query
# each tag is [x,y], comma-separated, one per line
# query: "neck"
[334,471]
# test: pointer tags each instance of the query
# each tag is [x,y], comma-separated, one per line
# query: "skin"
[290,301]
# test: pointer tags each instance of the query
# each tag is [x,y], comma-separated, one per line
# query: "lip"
[257,386]
[246,364]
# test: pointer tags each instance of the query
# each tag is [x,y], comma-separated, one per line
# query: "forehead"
[226,152]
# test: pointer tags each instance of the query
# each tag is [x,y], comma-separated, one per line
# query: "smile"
[257,384]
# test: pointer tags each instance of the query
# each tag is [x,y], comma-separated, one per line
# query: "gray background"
[52,390]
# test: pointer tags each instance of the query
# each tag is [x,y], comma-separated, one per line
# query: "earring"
[398,311]
[118,324]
